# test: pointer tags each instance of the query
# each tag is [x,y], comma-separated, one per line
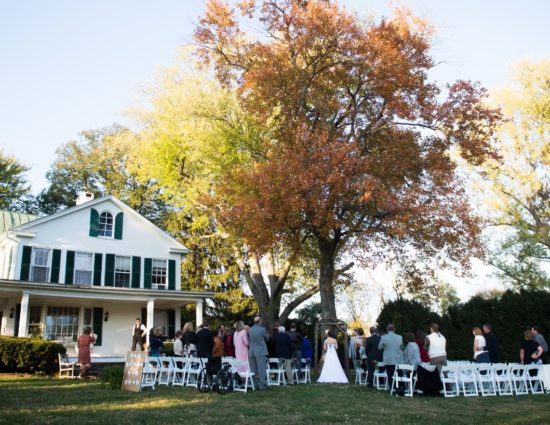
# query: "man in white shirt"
[139,332]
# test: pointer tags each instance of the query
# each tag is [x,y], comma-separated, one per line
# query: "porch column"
[199,313]
[24,317]
[177,322]
[150,316]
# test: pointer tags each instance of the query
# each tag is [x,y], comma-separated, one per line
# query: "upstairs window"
[123,269]
[40,265]
[158,274]
[105,228]
[83,266]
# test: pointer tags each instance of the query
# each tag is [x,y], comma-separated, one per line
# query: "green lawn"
[32,400]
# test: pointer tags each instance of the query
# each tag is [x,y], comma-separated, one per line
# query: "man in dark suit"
[205,341]
[373,354]
[491,343]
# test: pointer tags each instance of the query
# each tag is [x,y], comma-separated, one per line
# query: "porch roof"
[16,287]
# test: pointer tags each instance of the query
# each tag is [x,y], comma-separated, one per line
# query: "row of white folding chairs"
[471,379]
[276,374]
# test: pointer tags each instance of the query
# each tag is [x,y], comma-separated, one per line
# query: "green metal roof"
[9,220]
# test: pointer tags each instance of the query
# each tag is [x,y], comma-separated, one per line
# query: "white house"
[100,264]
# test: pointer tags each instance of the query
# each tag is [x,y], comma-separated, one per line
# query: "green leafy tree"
[517,185]
[14,189]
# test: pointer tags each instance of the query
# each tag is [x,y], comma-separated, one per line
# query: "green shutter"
[17,320]
[97,324]
[94,222]
[147,266]
[69,268]
[136,271]
[56,263]
[26,263]
[109,270]
[118,225]
[98,262]
[171,324]
[172,275]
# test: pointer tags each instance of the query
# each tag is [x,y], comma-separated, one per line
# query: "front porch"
[59,312]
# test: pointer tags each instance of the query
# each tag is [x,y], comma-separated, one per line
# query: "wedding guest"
[374,355]
[189,340]
[359,345]
[530,350]
[411,353]
[283,347]
[178,344]
[228,343]
[392,344]
[307,350]
[257,352]
[436,344]
[491,342]
[481,355]
[139,335]
[271,349]
[538,337]
[205,341]
[352,354]
[421,341]
[297,342]
[241,341]
[83,344]
[155,341]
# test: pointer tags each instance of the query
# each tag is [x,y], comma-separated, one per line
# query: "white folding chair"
[404,374]
[150,372]
[66,367]
[380,377]
[360,375]
[179,365]
[467,378]
[449,379]
[194,366]
[242,367]
[519,379]
[485,379]
[275,372]
[166,370]
[503,381]
[533,374]
[304,376]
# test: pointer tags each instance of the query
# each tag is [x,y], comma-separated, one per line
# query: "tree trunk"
[326,275]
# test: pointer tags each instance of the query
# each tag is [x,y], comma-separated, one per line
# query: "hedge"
[510,314]
[28,355]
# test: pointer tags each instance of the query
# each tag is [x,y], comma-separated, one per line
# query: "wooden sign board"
[133,369]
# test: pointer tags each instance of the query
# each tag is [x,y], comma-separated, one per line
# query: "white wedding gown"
[332,372]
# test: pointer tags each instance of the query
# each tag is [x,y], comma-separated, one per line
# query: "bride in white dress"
[332,372]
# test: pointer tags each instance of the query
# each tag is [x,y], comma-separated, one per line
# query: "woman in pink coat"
[240,340]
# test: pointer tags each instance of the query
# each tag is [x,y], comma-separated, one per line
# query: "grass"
[35,400]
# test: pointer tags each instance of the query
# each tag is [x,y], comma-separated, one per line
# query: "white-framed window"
[83,266]
[34,329]
[40,265]
[105,228]
[123,271]
[159,269]
[62,324]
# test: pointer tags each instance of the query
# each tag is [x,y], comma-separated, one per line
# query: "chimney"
[83,197]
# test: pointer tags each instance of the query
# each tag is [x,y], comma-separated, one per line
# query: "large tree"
[104,162]
[358,157]
[194,131]
[518,189]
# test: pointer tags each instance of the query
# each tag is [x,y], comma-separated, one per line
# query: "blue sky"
[68,66]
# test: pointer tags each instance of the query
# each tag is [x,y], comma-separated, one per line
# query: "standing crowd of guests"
[432,348]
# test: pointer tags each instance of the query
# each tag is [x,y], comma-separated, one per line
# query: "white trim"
[91,269]
[112,225]
[49,265]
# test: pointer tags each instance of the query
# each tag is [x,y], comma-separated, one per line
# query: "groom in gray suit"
[392,344]
[257,352]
